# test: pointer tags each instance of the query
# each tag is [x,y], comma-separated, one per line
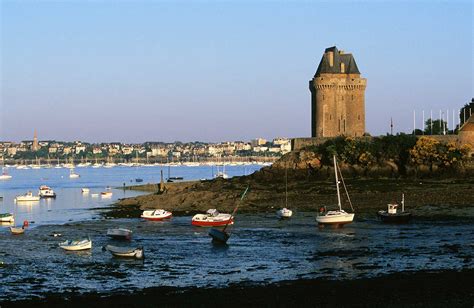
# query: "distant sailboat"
[72,174]
[285,212]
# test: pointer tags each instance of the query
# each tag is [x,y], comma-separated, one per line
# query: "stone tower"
[337,96]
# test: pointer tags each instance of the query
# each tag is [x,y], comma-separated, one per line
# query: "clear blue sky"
[134,71]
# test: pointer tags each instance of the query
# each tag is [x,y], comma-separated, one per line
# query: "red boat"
[156,215]
[212,218]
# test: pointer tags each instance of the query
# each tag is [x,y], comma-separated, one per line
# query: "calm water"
[71,204]
[261,249]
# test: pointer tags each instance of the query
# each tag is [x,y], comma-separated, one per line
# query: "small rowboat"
[16,231]
[6,217]
[212,218]
[75,245]
[120,234]
[156,215]
[126,252]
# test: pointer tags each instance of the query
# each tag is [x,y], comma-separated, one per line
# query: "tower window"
[343,68]
[352,97]
[339,121]
[344,125]
[323,96]
[358,116]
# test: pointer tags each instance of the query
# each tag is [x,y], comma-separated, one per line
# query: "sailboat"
[221,236]
[72,174]
[285,212]
[336,217]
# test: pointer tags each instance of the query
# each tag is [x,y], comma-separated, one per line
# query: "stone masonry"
[337,96]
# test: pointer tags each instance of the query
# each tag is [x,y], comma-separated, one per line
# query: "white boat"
[336,217]
[6,217]
[5,175]
[75,245]
[106,194]
[85,190]
[17,231]
[156,215]
[72,174]
[46,192]
[212,218]
[120,233]
[125,252]
[27,197]
[285,212]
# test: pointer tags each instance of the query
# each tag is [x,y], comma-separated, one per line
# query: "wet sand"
[407,289]
[432,198]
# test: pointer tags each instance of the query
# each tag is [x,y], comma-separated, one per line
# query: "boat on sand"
[126,252]
[339,217]
[156,215]
[221,236]
[76,245]
[393,214]
[212,218]
[120,233]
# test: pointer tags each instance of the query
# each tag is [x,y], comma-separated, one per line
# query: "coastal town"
[32,151]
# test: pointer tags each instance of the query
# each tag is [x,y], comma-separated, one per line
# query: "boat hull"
[150,215]
[7,218]
[401,218]
[219,236]
[120,234]
[69,246]
[122,252]
[337,220]
[17,231]
[221,223]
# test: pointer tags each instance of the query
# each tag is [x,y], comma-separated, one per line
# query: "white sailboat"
[336,217]
[285,212]
[72,174]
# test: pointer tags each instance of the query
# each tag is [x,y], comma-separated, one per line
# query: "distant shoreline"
[448,288]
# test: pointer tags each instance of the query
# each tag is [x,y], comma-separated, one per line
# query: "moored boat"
[106,194]
[126,252]
[76,245]
[284,213]
[85,190]
[212,218]
[19,230]
[221,236]
[27,197]
[120,233]
[72,174]
[393,215]
[7,217]
[46,192]
[156,215]
[5,175]
[339,217]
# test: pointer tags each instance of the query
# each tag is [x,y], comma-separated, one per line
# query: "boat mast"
[286,186]
[337,184]
[403,203]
